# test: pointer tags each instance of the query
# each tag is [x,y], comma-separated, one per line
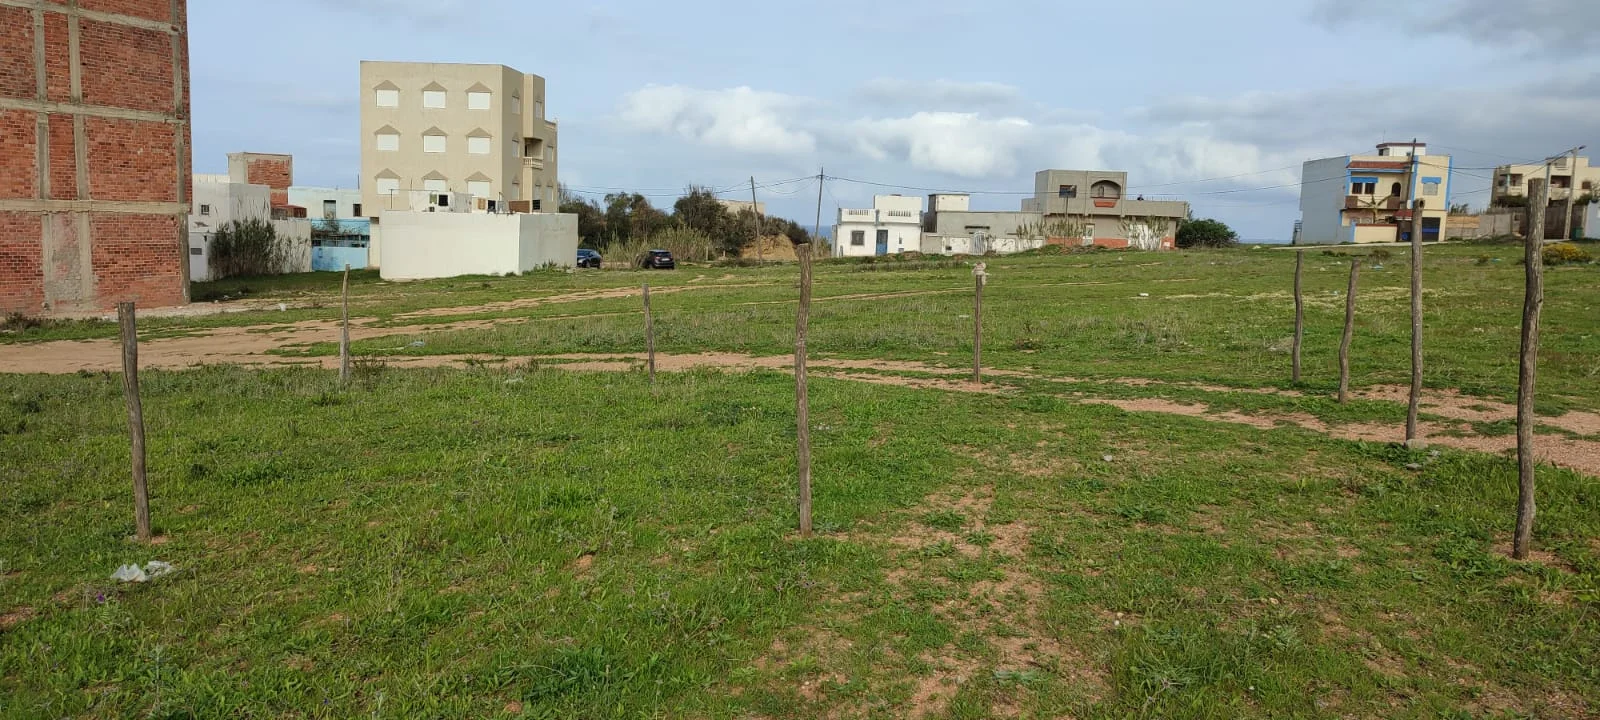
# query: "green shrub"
[1566,254]
[247,248]
[1206,234]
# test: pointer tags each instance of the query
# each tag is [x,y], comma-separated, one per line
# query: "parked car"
[659,260]
[588,258]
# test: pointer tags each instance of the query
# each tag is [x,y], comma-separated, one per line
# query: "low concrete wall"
[417,246]
[334,259]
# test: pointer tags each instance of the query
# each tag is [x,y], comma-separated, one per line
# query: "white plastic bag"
[151,570]
[129,573]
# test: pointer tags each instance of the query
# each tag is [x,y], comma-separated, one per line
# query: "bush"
[247,248]
[1206,234]
[1566,254]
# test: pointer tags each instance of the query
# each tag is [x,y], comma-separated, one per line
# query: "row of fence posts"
[1532,306]
[1533,303]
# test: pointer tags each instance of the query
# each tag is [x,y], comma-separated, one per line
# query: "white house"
[327,203]
[217,201]
[893,225]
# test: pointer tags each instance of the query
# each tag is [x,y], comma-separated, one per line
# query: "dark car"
[588,258]
[659,260]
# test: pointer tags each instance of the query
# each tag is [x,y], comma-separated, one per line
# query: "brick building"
[94,154]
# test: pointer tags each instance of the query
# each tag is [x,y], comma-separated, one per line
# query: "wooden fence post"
[1414,439]
[802,398]
[344,330]
[980,275]
[1349,331]
[1532,305]
[649,335]
[1299,312]
[130,392]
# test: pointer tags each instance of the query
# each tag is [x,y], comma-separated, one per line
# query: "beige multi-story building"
[1513,180]
[1365,198]
[455,128]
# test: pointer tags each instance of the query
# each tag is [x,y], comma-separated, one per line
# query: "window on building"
[436,186]
[205,209]
[1516,180]
[388,141]
[1088,231]
[1504,180]
[479,100]
[1364,187]
[196,251]
[388,98]
[538,205]
[516,104]
[330,209]
[480,145]
[1105,189]
[480,189]
[1068,191]
[1430,187]
[388,186]
[1588,185]
[1396,190]
[858,238]
[356,209]
[433,99]
[538,109]
[433,143]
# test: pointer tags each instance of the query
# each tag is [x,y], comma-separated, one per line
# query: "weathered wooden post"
[344,330]
[1299,313]
[1414,439]
[1532,306]
[130,392]
[649,334]
[980,275]
[1349,331]
[802,399]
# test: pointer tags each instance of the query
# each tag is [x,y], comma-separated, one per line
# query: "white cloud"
[938,94]
[961,144]
[1554,27]
[738,119]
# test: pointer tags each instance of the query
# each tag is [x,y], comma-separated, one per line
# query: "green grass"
[448,543]
[542,543]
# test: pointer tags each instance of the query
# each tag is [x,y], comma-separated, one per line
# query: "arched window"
[1106,190]
[1395,191]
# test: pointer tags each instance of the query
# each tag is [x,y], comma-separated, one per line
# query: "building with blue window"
[1368,198]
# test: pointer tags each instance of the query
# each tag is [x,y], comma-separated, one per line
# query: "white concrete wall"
[902,238]
[296,235]
[227,202]
[949,203]
[1324,186]
[313,199]
[1591,221]
[417,246]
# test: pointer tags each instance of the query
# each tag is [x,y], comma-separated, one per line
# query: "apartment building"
[94,155]
[456,128]
[891,226]
[1513,181]
[1069,207]
[1365,198]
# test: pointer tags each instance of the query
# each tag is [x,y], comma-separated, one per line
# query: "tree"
[1206,234]
[591,219]
[1461,209]
[631,216]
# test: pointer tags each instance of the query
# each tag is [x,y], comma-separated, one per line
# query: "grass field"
[528,540]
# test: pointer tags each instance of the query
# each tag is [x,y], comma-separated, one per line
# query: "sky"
[1215,103]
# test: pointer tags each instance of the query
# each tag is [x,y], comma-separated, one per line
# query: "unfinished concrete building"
[94,154]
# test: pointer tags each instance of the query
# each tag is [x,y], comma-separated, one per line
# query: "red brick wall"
[17,78]
[132,160]
[125,67]
[132,210]
[63,159]
[274,173]
[21,278]
[19,176]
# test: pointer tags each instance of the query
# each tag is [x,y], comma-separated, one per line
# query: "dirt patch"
[1536,556]
[16,617]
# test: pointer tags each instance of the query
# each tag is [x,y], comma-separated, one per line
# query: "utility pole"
[1411,182]
[756,212]
[1572,193]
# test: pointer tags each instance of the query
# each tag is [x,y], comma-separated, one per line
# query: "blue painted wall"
[333,259]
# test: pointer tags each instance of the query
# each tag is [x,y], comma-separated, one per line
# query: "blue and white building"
[1365,198]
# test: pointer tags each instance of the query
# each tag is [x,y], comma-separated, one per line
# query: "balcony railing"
[1358,202]
[533,162]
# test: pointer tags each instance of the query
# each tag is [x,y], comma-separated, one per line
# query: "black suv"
[659,260]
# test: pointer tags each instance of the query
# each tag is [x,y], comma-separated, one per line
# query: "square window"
[858,238]
[388,98]
[389,142]
[436,186]
[480,145]
[196,251]
[356,209]
[1430,188]
[479,189]
[1068,191]
[388,186]
[433,99]
[205,209]
[433,143]
[479,100]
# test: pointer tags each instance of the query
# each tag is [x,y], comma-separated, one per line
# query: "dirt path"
[249,347]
